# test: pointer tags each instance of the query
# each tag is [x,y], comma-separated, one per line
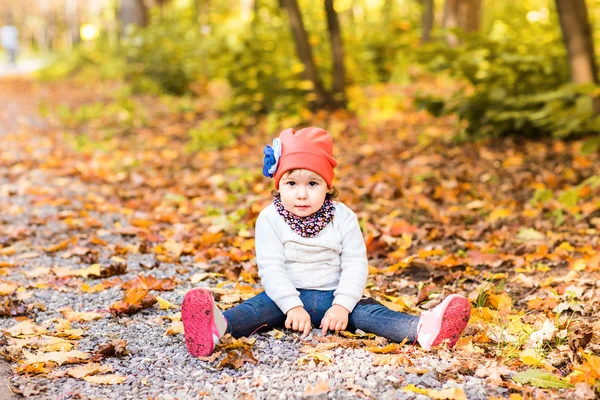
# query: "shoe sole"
[455,318]
[197,317]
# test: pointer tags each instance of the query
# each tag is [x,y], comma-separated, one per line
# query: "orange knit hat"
[309,148]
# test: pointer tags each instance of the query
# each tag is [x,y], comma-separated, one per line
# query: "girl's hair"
[331,194]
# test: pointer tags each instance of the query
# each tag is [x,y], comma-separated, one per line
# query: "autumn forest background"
[468,137]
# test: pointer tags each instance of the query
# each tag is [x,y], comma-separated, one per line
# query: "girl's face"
[302,192]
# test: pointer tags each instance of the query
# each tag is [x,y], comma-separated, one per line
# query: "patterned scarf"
[311,225]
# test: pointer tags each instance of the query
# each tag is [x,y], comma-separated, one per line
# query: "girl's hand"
[299,320]
[335,319]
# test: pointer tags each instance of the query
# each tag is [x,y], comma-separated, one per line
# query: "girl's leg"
[316,303]
[371,316]
[443,323]
[258,311]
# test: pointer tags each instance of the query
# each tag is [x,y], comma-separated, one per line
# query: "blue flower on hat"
[272,155]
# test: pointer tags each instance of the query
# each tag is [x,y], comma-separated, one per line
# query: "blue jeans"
[368,315]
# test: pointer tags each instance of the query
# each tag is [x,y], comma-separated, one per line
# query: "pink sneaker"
[203,323]
[444,322]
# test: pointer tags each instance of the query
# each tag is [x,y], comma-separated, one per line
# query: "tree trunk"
[427,17]
[577,36]
[305,51]
[133,12]
[337,55]
[462,14]
[72,23]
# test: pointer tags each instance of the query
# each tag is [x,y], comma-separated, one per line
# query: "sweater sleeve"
[355,268]
[271,266]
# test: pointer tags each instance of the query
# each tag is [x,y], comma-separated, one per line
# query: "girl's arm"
[271,266]
[355,268]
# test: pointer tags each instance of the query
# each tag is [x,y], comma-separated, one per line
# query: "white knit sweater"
[335,259]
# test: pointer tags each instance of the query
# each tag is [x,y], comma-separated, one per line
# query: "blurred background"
[523,68]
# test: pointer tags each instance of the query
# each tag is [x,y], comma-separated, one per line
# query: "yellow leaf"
[62,272]
[164,304]
[277,334]
[7,288]
[111,379]
[500,301]
[483,315]
[396,305]
[513,161]
[529,357]
[175,317]
[321,388]
[449,393]
[37,272]
[413,388]
[247,245]
[93,269]
[465,344]
[324,357]
[390,348]
[395,360]
[58,357]
[499,213]
[32,369]
[566,246]
[246,276]
[82,316]
[92,289]
[203,275]
[406,241]
[88,369]
[243,288]
[176,328]
[8,251]
[55,344]
[26,327]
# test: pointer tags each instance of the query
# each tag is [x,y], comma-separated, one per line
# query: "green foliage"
[164,57]
[567,200]
[510,87]
[211,135]
[259,63]
[86,61]
[540,379]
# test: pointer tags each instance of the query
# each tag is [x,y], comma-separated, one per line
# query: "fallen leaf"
[164,304]
[395,360]
[11,307]
[390,348]
[25,328]
[322,387]
[540,379]
[7,288]
[530,234]
[57,247]
[111,379]
[88,369]
[237,358]
[448,393]
[176,328]
[58,357]
[81,316]
[114,348]
[414,389]
[34,368]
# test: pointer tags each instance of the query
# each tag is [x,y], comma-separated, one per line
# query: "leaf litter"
[438,219]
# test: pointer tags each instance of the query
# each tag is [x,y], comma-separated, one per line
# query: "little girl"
[312,261]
